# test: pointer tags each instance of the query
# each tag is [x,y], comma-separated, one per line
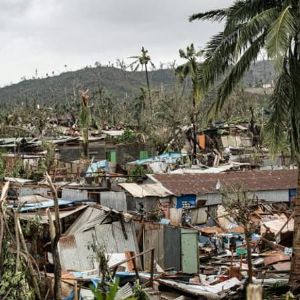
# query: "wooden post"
[55,233]
[254,292]
[152,268]
[135,267]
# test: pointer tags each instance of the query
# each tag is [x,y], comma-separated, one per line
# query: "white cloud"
[46,34]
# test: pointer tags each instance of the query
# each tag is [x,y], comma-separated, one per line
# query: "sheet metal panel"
[72,194]
[189,251]
[75,253]
[175,216]
[172,248]
[199,215]
[153,238]
[115,200]
[146,190]
[112,237]
[166,243]
[90,214]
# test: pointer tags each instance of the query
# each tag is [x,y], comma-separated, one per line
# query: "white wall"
[272,196]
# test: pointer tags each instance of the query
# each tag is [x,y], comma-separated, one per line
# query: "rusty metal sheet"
[282,266]
[274,258]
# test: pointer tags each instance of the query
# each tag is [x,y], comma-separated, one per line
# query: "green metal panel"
[143,154]
[111,156]
[189,251]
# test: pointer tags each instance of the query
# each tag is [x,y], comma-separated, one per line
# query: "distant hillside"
[117,82]
[259,73]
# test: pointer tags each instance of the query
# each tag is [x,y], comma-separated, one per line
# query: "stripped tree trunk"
[295,266]
[249,253]
[55,236]
[194,132]
[148,86]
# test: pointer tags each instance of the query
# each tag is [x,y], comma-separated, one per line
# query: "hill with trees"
[116,82]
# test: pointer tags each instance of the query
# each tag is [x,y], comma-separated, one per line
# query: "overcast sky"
[48,34]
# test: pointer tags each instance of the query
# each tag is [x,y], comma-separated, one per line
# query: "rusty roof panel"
[184,184]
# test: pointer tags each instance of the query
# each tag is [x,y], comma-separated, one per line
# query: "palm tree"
[251,26]
[85,120]
[191,69]
[142,61]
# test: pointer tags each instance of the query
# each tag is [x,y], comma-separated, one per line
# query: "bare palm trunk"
[194,132]
[55,234]
[85,143]
[148,86]
[295,266]
[249,254]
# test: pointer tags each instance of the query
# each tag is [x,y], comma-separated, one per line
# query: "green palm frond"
[242,11]
[219,55]
[213,15]
[238,70]
[182,53]
[294,105]
[279,37]
[277,126]
[256,26]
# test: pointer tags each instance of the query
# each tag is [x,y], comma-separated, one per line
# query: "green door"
[111,156]
[189,251]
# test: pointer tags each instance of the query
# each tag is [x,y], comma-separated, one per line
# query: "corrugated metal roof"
[43,217]
[18,180]
[75,253]
[32,199]
[184,184]
[146,190]
[47,203]
[91,214]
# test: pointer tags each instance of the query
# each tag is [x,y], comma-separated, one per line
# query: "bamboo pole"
[55,236]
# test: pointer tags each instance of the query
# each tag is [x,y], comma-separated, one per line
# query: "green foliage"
[50,155]
[14,285]
[127,137]
[138,292]
[60,89]
[138,171]
[250,27]
[110,293]
[191,69]
[2,166]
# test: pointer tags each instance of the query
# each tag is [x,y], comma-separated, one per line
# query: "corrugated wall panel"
[71,194]
[115,200]
[272,196]
[172,248]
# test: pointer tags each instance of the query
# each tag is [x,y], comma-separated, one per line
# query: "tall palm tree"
[85,120]
[191,69]
[143,61]
[250,26]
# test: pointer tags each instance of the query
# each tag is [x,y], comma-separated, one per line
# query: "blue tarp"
[95,166]
[47,203]
[169,157]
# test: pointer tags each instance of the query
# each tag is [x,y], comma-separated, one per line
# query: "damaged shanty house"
[103,227]
[174,194]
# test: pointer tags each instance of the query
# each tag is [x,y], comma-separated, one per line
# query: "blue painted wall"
[185,200]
